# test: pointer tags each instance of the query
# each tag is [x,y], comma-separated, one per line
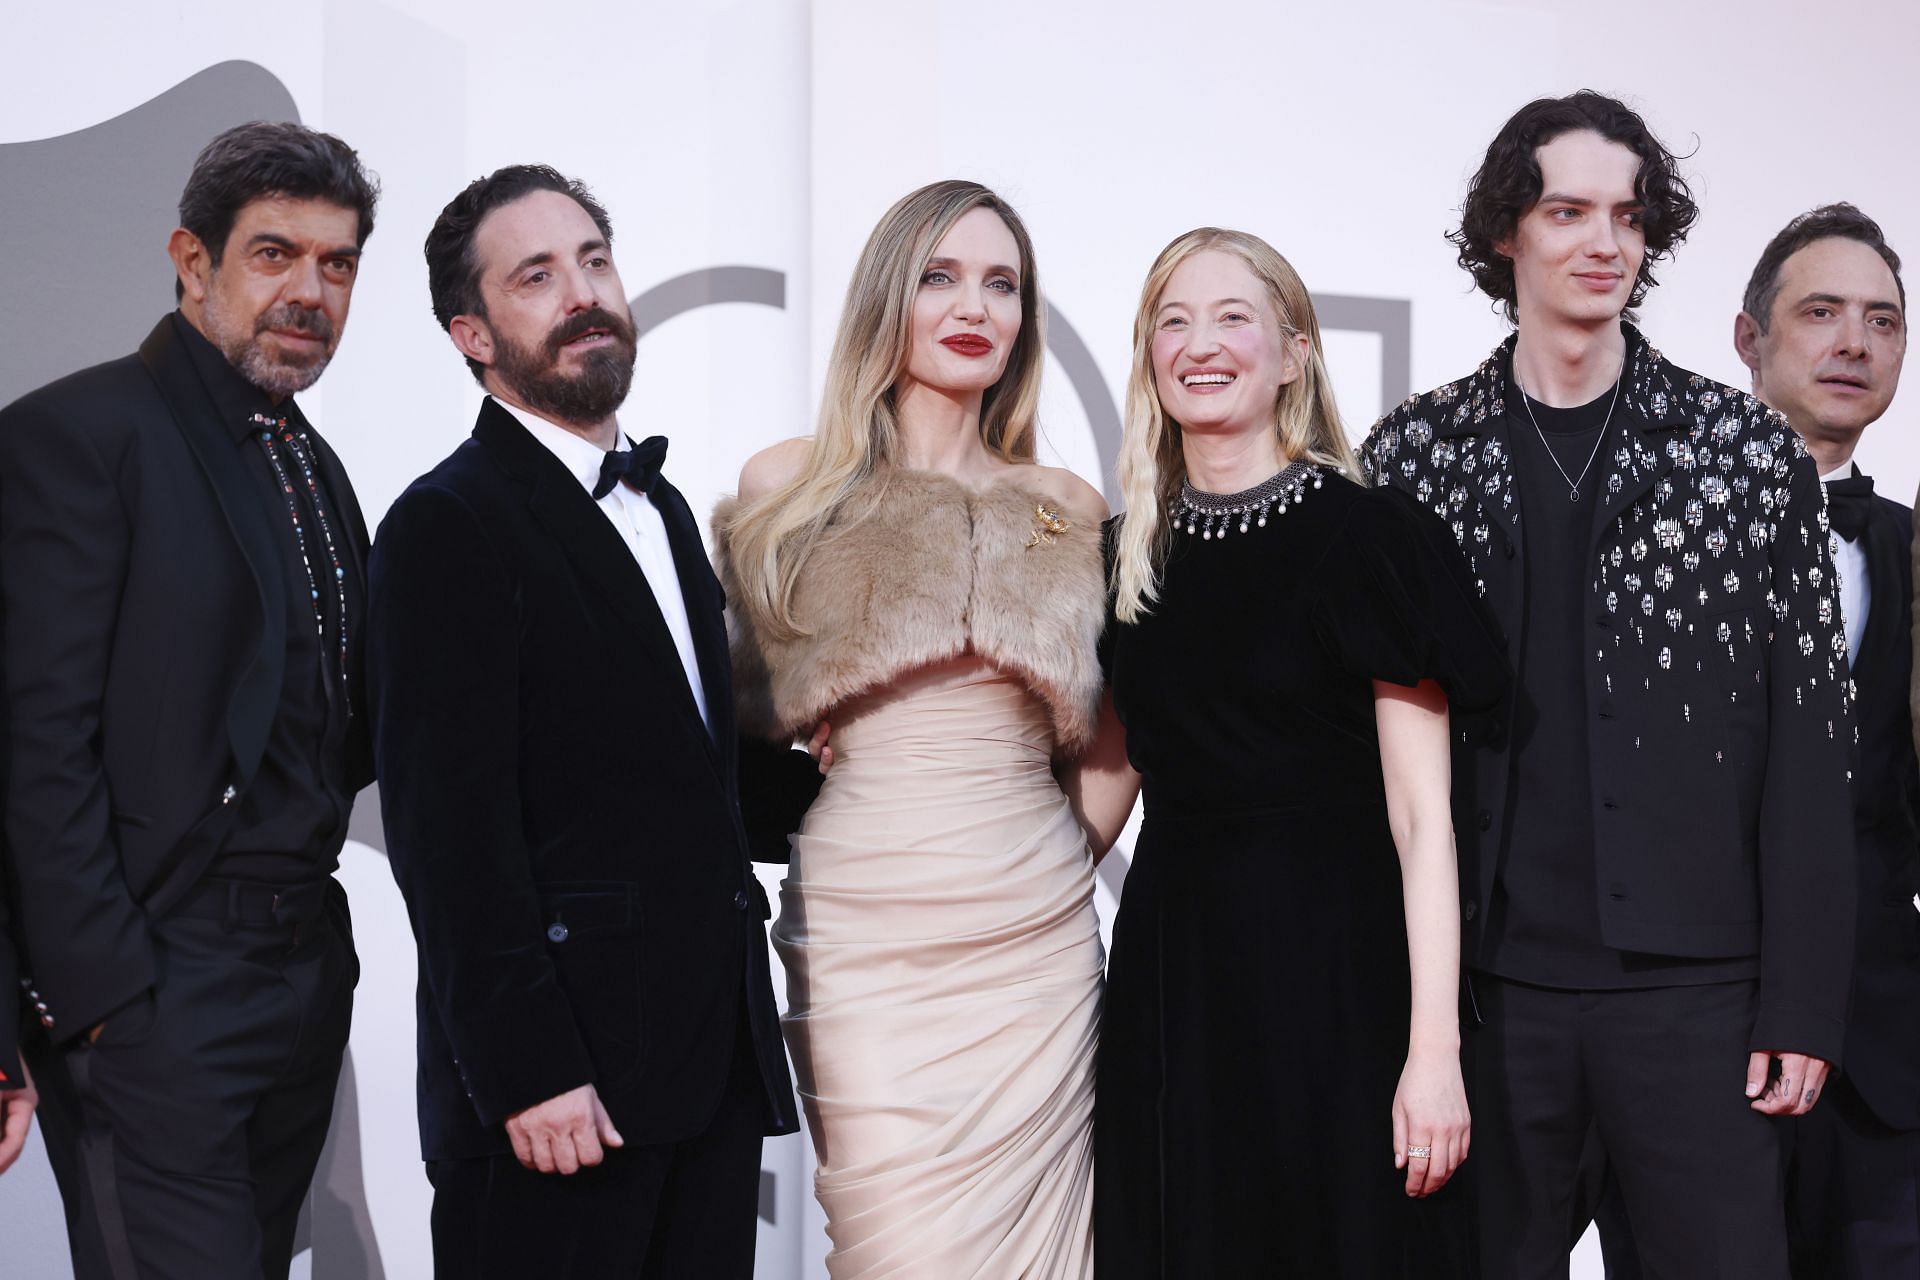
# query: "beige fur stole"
[911,580]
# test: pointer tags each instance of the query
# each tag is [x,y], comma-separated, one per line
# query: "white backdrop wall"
[771,135]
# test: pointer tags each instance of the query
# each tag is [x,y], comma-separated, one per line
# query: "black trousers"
[1853,1192]
[1657,1079]
[678,1211]
[184,1139]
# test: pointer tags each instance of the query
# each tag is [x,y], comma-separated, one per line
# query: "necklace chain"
[1211,515]
[1573,485]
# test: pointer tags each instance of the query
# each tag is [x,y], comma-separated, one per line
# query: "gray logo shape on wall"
[87,215]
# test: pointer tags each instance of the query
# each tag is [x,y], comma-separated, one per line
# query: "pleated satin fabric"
[944,974]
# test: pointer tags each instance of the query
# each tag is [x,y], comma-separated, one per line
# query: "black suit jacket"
[144,599]
[11,1076]
[565,829]
[1883,1030]
[1718,722]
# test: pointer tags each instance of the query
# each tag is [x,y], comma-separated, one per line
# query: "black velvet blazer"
[144,593]
[1719,723]
[566,831]
[1883,1031]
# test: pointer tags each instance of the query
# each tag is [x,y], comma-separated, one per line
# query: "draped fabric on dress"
[943,977]
[937,927]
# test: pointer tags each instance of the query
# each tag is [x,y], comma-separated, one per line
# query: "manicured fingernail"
[1753,1090]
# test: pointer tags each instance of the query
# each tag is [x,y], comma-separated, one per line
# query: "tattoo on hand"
[1809,1098]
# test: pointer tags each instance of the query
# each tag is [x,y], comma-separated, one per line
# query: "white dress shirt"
[637,521]
[1856,593]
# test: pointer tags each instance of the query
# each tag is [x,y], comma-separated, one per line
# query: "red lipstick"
[967,344]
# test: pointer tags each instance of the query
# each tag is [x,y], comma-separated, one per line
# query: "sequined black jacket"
[1720,724]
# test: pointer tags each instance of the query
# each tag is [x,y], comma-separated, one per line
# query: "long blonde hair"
[857,435]
[1152,465]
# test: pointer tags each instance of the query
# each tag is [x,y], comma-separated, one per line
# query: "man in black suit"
[1656,858]
[1823,328]
[181,568]
[18,1097]
[553,719]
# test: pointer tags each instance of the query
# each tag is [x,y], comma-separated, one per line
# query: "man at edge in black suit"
[599,1050]
[18,1097]
[1823,328]
[181,570]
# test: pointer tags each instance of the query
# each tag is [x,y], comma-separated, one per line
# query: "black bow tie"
[639,467]
[1849,503]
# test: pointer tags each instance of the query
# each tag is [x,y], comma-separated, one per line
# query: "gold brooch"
[1051,523]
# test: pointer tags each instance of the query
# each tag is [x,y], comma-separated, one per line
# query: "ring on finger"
[1424,1152]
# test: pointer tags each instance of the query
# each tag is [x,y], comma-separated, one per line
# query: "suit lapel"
[256,689]
[1642,445]
[592,545]
[1881,642]
[700,591]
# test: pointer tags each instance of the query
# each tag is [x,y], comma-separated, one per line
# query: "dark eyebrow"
[1835,300]
[531,260]
[595,245]
[997,269]
[281,242]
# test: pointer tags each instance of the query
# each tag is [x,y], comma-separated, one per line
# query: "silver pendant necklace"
[1573,485]
[1213,514]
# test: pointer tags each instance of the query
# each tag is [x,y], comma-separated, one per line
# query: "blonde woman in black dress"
[1279,1086]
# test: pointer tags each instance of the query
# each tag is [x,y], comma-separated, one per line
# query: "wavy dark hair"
[453,269]
[261,160]
[1829,222]
[1508,184]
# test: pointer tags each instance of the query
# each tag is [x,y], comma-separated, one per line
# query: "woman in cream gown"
[913,576]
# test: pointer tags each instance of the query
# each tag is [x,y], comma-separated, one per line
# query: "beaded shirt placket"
[297,445]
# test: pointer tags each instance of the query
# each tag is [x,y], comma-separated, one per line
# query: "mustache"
[299,319]
[621,327]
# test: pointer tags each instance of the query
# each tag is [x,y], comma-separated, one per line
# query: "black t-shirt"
[1546,915]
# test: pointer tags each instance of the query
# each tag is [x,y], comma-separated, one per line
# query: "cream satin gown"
[944,973]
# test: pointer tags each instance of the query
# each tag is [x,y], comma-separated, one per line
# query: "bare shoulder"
[773,467]
[1067,488]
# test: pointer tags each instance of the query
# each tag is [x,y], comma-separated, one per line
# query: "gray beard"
[240,344]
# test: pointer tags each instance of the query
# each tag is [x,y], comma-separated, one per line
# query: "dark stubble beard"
[582,398]
[277,375]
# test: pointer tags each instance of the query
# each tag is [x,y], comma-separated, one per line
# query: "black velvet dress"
[1257,998]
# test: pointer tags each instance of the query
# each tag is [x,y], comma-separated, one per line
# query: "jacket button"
[739,899]
[1473,909]
[1485,819]
[556,932]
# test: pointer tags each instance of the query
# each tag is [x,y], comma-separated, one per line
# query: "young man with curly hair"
[1655,838]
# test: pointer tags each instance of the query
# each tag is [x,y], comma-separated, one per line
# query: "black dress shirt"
[293,819]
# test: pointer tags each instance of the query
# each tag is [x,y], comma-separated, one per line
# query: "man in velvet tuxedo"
[1823,328]
[599,1051]
[181,569]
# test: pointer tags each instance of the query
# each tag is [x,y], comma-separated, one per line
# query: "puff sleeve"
[1396,603]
